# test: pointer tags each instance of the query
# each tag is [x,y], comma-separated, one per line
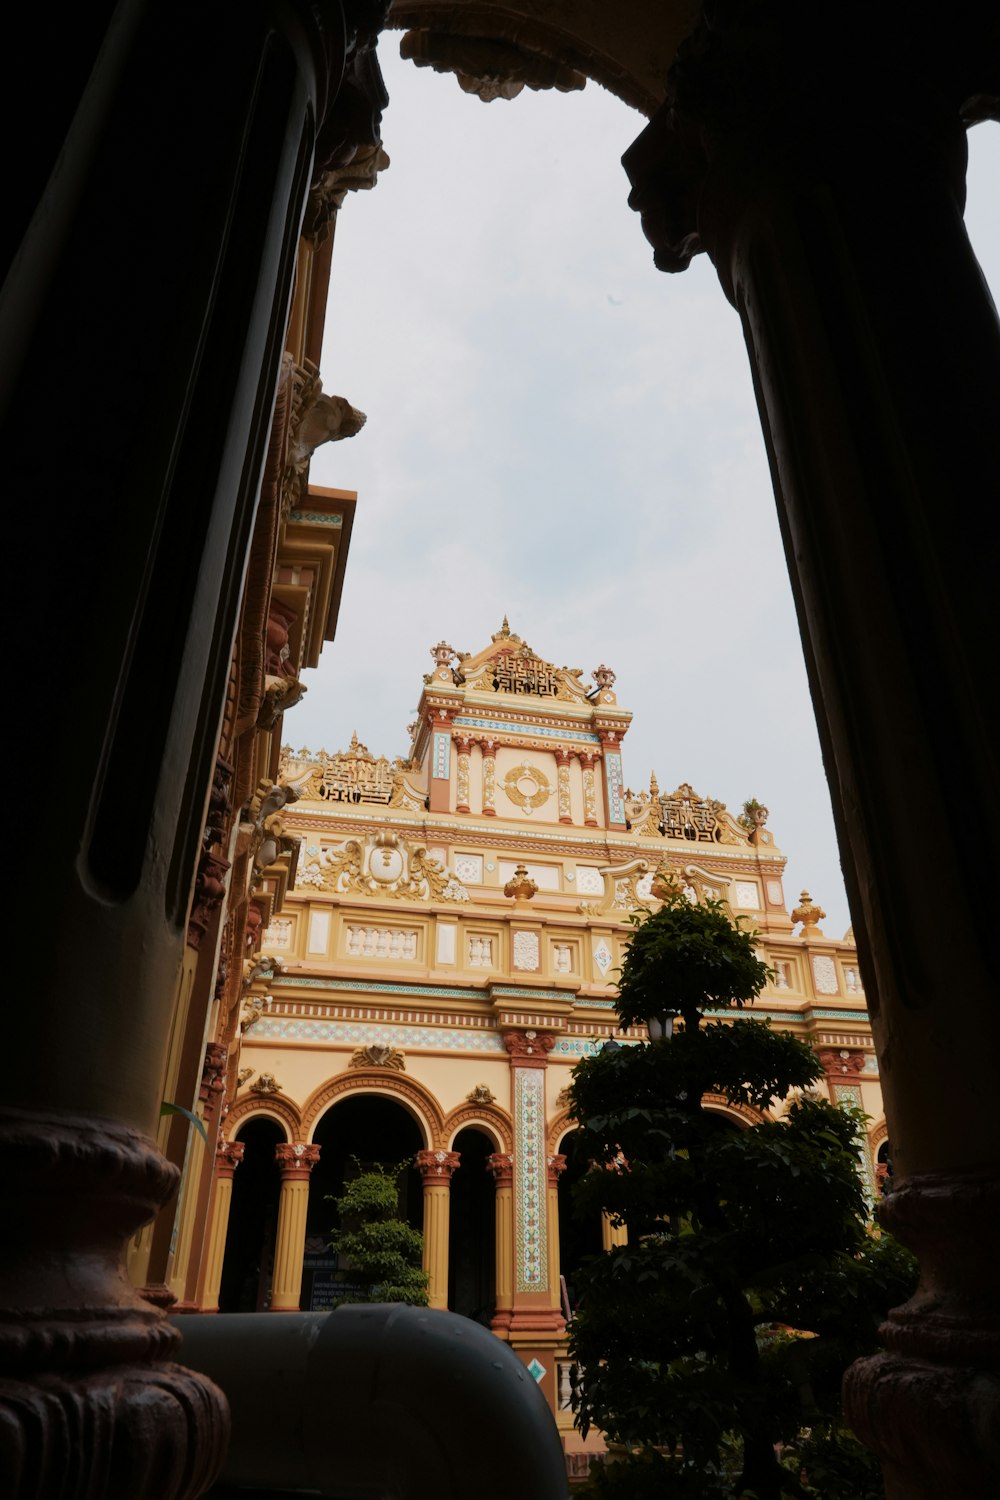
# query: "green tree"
[750,1279]
[381,1250]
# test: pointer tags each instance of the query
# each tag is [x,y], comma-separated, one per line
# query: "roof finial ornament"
[654,787]
[603,676]
[809,913]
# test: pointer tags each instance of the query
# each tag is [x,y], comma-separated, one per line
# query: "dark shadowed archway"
[246,1270]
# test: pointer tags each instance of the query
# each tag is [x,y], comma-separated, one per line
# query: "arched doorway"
[365,1129]
[579,1233]
[472,1230]
[253,1216]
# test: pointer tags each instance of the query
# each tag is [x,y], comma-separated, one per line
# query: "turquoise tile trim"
[840,1015]
[537,731]
[362,1034]
[317,518]
[517,992]
[378,987]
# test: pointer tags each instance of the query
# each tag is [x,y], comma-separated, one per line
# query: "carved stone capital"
[751,99]
[330,189]
[555,1166]
[434,1165]
[501,1164]
[295,1159]
[228,1155]
[529,1049]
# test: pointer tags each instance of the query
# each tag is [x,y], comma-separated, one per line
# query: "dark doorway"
[369,1129]
[253,1217]
[472,1230]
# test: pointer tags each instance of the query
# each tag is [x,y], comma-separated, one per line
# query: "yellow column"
[501,1164]
[296,1162]
[612,1235]
[556,1165]
[435,1168]
[228,1156]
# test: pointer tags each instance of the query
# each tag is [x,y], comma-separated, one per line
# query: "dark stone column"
[149,260]
[825,177]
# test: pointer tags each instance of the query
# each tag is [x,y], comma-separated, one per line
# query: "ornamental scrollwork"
[378,1055]
[384,865]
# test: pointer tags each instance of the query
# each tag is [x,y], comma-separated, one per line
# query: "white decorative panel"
[447,935]
[589,880]
[546,877]
[825,975]
[480,951]
[526,951]
[603,956]
[278,935]
[747,893]
[774,893]
[381,942]
[319,932]
[468,868]
[644,887]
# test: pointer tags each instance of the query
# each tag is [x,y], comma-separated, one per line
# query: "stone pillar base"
[930,1406]
[90,1403]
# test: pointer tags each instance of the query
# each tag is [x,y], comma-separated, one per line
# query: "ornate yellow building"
[447,953]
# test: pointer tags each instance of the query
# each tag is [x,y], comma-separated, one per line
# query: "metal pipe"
[380,1402]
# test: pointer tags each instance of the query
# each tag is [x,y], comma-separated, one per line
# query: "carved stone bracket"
[529,1049]
[213,1077]
[489,69]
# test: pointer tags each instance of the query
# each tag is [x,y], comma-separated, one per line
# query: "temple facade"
[447,951]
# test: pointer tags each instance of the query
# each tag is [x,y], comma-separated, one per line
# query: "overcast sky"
[558,432]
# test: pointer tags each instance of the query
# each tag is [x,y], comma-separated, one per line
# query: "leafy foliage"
[382,1251]
[750,1279]
[684,958]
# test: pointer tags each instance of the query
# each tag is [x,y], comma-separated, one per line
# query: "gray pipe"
[382,1402]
